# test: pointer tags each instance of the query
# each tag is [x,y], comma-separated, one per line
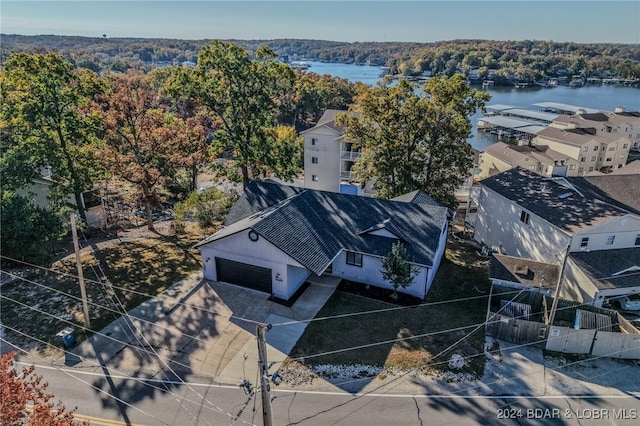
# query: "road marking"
[634,395]
[98,421]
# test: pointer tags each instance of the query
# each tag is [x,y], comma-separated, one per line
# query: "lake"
[602,97]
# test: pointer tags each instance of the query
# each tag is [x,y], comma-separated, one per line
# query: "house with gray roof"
[595,219]
[276,236]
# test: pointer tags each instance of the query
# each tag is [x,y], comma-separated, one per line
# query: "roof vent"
[521,269]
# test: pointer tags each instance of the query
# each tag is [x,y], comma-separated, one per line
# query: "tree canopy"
[415,138]
[244,95]
[49,120]
[397,269]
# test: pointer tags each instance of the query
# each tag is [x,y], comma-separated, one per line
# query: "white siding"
[371,273]
[498,226]
[238,247]
[327,151]
[295,278]
[442,244]
[576,286]
[625,230]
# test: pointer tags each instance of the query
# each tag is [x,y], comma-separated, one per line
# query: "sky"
[424,21]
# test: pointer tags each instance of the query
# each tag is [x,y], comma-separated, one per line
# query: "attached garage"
[243,274]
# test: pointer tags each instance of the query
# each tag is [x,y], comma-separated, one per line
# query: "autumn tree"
[48,120]
[244,94]
[140,144]
[177,90]
[24,400]
[397,268]
[415,138]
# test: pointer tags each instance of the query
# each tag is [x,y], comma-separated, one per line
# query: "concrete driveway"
[202,328]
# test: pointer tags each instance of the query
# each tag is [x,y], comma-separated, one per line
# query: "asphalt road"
[200,403]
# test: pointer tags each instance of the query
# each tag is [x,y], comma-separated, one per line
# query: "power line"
[144,382]
[124,289]
[87,383]
[154,324]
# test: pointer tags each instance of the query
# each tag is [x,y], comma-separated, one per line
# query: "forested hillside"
[527,60]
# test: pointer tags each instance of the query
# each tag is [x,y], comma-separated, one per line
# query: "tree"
[243,94]
[23,398]
[415,138]
[27,230]
[48,118]
[177,90]
[141,139]
[397,269]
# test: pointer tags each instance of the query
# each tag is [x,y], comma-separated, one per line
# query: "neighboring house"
[40,191]
[523,214]
[522,273]
[276,236]
[329,157]
[500,157]
[593,149]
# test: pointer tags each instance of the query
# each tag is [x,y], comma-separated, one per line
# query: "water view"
[602,97]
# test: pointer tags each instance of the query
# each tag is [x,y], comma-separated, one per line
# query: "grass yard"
[44,302]
[428,330]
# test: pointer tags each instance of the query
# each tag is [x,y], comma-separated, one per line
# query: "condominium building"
[329,157]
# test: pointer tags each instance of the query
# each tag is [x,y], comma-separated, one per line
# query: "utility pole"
[554,305]
[267,419]
[83,291]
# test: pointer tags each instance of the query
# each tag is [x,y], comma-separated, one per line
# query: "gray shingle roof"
[600,266]
[314,226]
[257,197]
[556,201]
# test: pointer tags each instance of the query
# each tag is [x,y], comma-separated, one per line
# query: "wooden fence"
[617,338]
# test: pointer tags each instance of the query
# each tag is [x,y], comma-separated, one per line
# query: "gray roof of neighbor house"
[609,269]
[523,271]
[314,226]
[572,203]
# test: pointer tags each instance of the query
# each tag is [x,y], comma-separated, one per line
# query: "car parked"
[625,303]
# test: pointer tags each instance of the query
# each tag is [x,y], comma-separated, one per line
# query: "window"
[354,259]
[609,159]
[532,167]
[591,168]
[314,178]
[595,148]
[637,240]
[580,169]
[612,148]
[610,239]
[583,159]
[584,242]
[314,160]
[572,167]
[524,217]
[585,148]
[625,145]
[314,141]
[594,158]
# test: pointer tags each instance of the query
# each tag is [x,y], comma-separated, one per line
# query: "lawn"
[46,301]
[423,335]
